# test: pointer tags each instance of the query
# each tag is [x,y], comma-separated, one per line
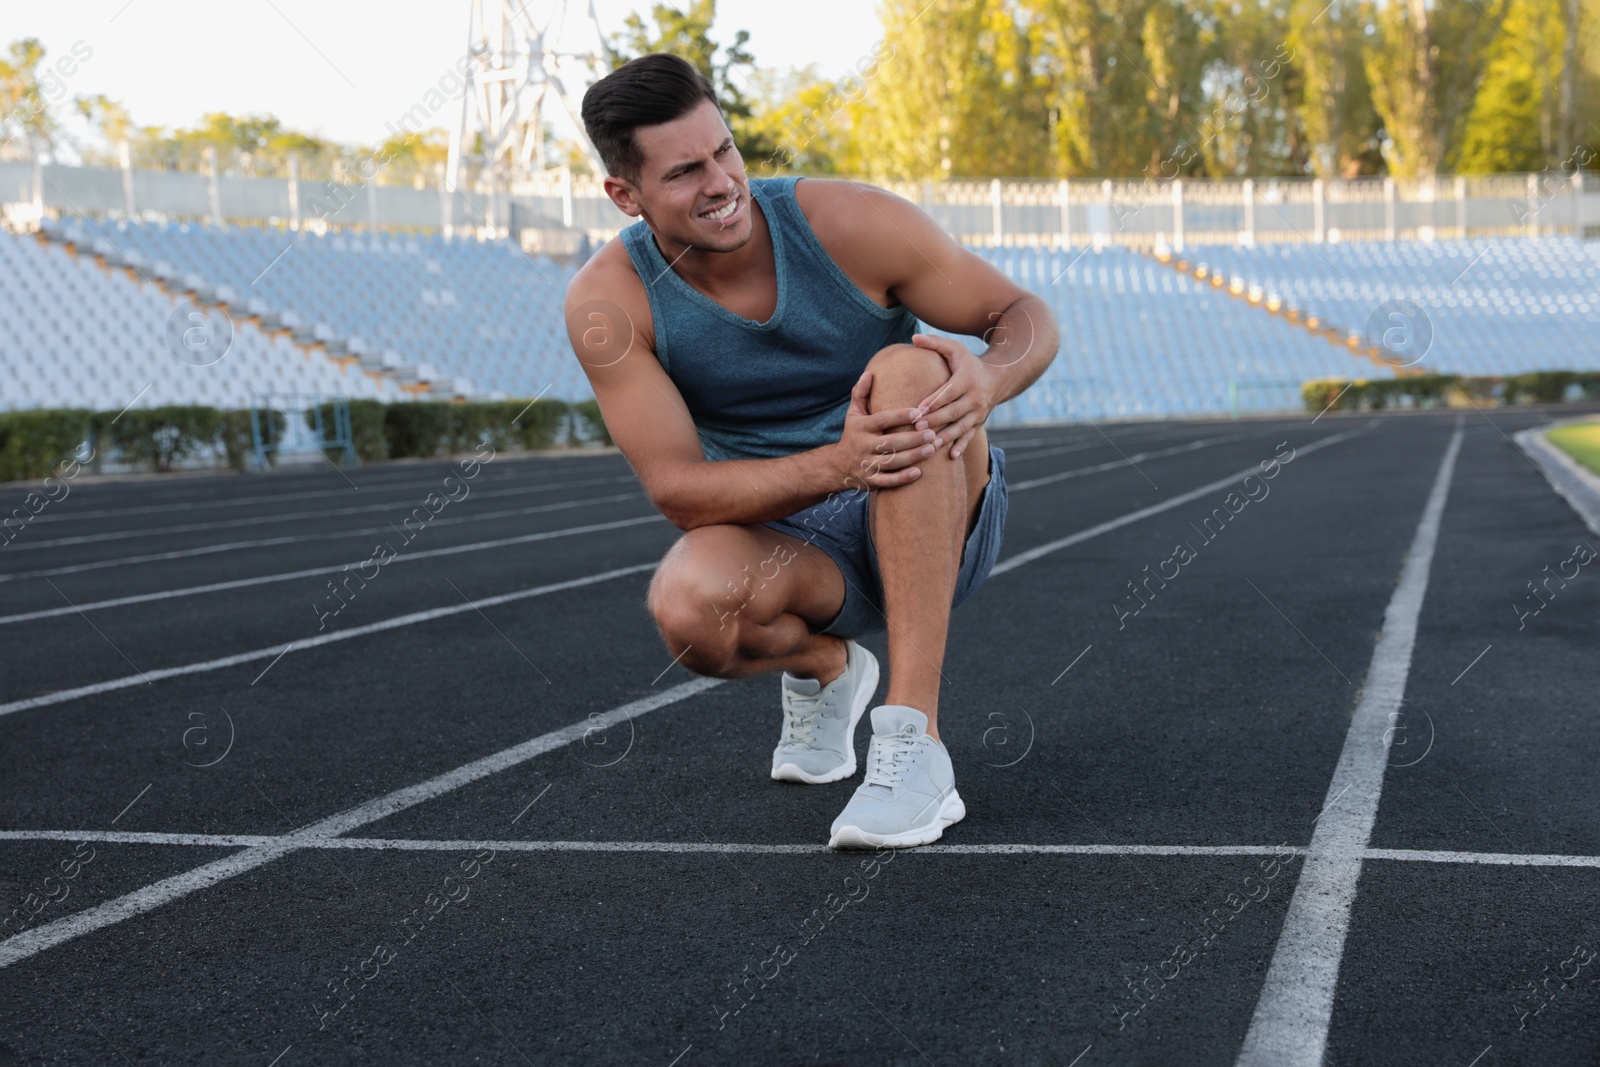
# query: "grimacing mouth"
[727,208]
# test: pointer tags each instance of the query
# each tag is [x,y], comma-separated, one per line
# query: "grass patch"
[1581,441]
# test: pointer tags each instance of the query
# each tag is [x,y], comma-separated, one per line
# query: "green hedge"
[366,429]
[157,438]
[1436,390]
[34,443]
[432,428]
[1550,386]
[587,425]
[160,438]
[238,437]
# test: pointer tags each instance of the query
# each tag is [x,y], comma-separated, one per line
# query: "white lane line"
[403,491]
[1192,446]
[30,942]
[1000,568]
[201,550]
[318,640]
[1290,1024]
[1501,859]
[292,539]
[267,579]
[392,507]
[1154,509]
[313,572]
[395,844]
[1024,453]
[143,837]
[273,664]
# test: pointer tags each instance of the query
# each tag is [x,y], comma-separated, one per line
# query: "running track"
[1319,800]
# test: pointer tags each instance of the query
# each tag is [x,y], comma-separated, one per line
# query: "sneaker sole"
[952,811]
[788,772]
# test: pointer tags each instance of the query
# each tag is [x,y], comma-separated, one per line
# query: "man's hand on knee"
[878,450]
[958,408]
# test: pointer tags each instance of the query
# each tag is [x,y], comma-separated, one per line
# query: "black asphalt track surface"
[1212,717]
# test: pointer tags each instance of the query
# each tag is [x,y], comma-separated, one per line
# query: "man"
[751,346]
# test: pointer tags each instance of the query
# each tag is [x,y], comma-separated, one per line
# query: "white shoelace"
[800,714]
[889,756]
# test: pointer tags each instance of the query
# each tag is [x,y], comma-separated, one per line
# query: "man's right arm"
[608,322]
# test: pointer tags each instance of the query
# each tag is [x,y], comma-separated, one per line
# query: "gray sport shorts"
[838,526]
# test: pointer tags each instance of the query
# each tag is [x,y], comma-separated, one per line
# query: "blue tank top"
[763,389]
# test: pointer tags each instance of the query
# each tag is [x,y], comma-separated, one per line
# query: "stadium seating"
[1139,338]
[1495,306]
[80,335]
[482,315]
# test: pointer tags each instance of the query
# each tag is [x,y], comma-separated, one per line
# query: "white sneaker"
[909,795]
[819,722]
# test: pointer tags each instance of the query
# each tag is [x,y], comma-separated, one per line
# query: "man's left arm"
[953,289]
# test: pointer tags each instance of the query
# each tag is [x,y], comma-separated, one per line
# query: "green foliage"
[686,32]
[536,428]
[1513,114]
[238,436]
[157,438]
[1172,88]
[431,428]
[808,118]
[1027,88]
[1552,387]
[419,428]
[1580,441]
[366,430]
[33,443]
[953,93]
[1437,390]
[1333,104]
[28,86]
[588,424]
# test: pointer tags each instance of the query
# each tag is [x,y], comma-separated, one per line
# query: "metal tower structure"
[522,52]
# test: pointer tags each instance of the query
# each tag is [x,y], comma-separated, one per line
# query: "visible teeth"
[724,212]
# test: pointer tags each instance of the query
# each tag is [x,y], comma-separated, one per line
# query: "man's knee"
[697,605]
[905,375]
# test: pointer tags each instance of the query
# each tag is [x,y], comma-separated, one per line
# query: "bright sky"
[342,68]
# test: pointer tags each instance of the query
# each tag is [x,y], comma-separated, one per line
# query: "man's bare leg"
[919,529]
[733,601]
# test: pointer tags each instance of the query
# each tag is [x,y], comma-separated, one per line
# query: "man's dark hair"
[647,91]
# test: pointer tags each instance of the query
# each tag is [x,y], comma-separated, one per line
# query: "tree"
[1250,81]
[687,34]
[110,117]
[807,116]
[1515,114]
[412,158]
[26,121]
[955,92]
[1180,47]
[1425,68]
[1334,102]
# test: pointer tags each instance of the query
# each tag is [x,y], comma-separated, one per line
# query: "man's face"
[692,186]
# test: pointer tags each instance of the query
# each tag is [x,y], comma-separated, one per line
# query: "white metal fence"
[1138,213]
